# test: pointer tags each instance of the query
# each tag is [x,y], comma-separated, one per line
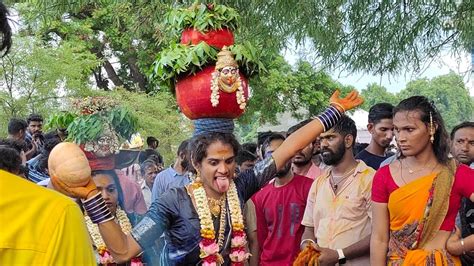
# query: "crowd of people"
[307,196]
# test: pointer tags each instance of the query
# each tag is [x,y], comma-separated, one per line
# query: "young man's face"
[154,145]
[333,147]
[382,132]
[35,127]
[303,157]
[247,165]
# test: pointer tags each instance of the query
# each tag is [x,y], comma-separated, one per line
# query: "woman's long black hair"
[426,108]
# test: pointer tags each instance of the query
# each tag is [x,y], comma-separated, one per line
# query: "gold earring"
[198,177]
[431,128]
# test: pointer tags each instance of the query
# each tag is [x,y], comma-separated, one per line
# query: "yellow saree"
[417,210]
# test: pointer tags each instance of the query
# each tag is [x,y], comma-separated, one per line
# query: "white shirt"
[146,194]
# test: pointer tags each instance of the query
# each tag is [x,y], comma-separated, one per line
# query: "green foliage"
[248,132]
[202,17]
[303,91]
[110,30]
[369,36]
[180,59]
[89,127]
[374,94]
[37,77]
[250,57]
[158,116]
[60,120]
[449,94]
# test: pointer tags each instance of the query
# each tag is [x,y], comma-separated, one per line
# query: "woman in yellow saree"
[416,198]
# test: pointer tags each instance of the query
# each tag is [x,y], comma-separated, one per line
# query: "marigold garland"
[209,248]
[308,256]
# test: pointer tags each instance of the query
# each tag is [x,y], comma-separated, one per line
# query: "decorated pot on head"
[99,129]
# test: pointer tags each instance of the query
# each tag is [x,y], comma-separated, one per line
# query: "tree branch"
[112,75]
[135,73]
[100,81]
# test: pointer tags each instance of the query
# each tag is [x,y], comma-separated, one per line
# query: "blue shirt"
[167,179]
[35,173]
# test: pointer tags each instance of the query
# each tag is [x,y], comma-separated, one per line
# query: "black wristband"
[97,209]
[329,117]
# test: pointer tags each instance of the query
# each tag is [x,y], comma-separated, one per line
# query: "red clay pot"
[216,38]
[193,94]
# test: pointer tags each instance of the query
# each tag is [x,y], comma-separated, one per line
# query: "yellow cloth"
[40,227]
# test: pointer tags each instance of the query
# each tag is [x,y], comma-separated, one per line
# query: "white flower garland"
[234,206]
[214,89]
[209,247]
[239,94]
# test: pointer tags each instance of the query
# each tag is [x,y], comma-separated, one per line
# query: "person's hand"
[349,102]
[38,142]
[308,243]
[454,243]
[34,147]
[75,192]
[327,256]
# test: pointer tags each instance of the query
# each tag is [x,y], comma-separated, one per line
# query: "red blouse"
[383,185]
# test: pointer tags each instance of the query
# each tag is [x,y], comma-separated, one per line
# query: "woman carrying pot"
[203,221]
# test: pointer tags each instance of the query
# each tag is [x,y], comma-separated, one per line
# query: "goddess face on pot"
[226,78]
[106,145]
[228,75]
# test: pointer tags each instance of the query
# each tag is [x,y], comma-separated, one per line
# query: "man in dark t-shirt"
[381,128]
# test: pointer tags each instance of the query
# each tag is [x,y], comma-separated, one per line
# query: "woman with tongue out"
[203,222]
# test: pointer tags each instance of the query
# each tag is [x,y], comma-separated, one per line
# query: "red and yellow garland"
[209,247]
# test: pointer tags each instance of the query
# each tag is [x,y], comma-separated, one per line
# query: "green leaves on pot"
[249,58]
[181,59]
[90,127]
[60,120]
[202,17]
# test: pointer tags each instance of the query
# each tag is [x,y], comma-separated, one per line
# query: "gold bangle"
[338,105]
[462,246]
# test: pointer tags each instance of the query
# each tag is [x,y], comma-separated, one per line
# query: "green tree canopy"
[302,91]
[372,36]
[449,94]
[36,78]
[375,93]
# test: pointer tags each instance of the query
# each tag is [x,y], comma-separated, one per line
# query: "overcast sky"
[460,64]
